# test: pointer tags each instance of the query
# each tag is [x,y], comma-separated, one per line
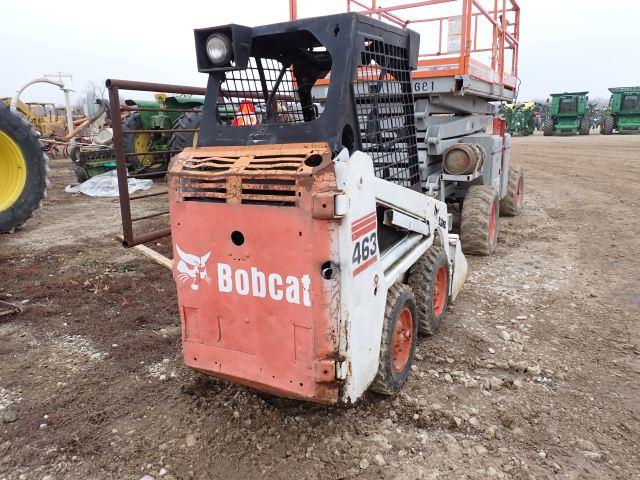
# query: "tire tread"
[421,280]
[181,140]
[383,383]
[585,126]
[475,219]
[22,213]
[508,207]
[608,124]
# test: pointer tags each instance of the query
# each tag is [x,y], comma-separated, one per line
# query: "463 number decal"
[364,242]
[365,252]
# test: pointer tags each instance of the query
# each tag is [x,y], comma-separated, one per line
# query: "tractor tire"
[511,204]
[23,171]
[131,122]
[139,142]
[429,281]
[181,140]
[74,153]
[398,342]
[607,125]
[547,128]
[585,126]
[479,220]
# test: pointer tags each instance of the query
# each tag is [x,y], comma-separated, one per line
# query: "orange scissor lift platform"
[468,47]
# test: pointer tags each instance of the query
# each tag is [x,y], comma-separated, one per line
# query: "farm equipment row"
[573,113]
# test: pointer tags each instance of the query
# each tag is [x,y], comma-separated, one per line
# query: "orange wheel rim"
[519,192]
[440,291]
[492,224]
[402,340]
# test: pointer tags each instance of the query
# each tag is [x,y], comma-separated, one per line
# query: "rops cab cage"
[266,74]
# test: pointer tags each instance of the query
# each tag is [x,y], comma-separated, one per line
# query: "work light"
[219,49]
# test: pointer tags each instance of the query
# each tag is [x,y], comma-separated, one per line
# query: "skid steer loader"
[306,257]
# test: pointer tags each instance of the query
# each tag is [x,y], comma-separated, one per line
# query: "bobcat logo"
[192,267]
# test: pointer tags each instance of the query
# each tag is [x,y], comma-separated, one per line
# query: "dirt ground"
[534,375]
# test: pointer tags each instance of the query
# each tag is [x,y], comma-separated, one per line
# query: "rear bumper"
[630,125]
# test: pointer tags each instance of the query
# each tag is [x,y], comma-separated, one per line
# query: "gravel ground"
[534,375]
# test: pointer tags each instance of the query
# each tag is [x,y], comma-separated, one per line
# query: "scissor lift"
[468,61]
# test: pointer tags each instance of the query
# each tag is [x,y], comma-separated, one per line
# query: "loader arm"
[426,218]
[418,223]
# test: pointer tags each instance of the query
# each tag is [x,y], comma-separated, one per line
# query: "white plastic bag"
[106,185]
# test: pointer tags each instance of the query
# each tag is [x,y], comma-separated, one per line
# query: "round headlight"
[219,49]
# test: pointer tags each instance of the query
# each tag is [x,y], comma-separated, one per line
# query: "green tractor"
[143,143]
[569,114]
[177,129]
[623,112]
[164,114]
[520,118]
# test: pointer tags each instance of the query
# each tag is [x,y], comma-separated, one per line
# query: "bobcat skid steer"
[305,259]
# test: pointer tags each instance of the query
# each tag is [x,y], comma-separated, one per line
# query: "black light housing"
[239,38]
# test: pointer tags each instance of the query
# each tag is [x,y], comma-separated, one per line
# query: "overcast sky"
[566,45]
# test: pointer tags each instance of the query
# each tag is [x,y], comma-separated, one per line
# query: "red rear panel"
[253,303]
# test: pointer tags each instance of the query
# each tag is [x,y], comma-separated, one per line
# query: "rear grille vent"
[264,179]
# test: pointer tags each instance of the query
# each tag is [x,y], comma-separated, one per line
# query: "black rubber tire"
[585,125]
[74,152]
[160,160]
[422,280]
[509,206]
[131,122]
[81,174]
[547,128]
[607,125]
[37,162]
[182,140]
[388,381]
[475,220]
